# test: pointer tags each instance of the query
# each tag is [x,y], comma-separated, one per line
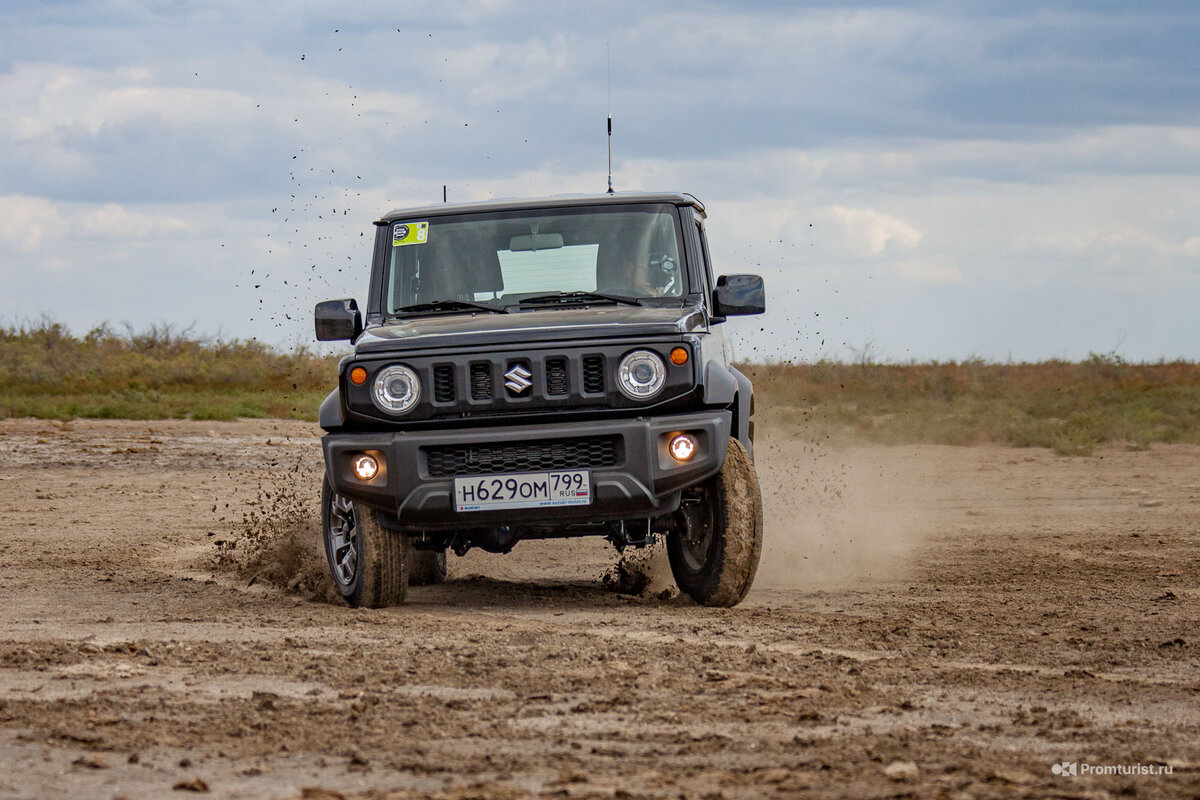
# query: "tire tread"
[738,524]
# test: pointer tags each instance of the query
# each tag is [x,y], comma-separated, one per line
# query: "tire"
[715,546]
[425,567]
[367,562]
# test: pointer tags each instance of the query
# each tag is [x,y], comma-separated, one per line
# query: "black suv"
[535,369]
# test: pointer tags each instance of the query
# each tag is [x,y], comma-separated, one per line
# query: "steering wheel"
[664,271]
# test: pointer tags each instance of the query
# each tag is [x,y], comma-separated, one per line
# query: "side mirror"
[738,294]
[337,320]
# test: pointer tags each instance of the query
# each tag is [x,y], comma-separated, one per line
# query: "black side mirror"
[337,320]
[739,294]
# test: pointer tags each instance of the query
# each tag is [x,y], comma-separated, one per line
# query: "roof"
[557,201]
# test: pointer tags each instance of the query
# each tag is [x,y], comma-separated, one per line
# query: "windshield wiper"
[449,305]
[576,298]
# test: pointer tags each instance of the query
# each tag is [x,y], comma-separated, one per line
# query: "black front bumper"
[634,478]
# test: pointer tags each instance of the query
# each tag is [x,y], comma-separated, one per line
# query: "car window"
[630,251]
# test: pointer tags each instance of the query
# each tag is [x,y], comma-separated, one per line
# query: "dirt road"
[929,621]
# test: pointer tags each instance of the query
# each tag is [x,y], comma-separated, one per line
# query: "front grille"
[443,383]
[593,374]
[481,381]
[556,377]
[591,452]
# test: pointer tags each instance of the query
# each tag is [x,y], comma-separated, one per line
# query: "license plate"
[523,490]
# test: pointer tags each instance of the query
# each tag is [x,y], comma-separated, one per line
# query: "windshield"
[501,258]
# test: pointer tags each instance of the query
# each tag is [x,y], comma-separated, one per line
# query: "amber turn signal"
[679,356]
[358,376]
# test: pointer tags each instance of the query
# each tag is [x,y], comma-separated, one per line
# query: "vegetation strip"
[168,373]
[160,373]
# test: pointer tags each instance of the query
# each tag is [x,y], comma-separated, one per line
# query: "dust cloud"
[645,572]
[835,519]
[278,541]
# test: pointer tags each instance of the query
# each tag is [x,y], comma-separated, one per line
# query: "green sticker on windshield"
[409,233]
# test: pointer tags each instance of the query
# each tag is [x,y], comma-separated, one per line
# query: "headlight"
[397,389]
[641,375]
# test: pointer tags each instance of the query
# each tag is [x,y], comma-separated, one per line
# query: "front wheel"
[716,541]
[367,562]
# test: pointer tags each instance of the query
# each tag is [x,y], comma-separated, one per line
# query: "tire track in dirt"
[1033,609]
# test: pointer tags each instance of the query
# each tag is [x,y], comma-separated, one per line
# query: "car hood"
[541,325]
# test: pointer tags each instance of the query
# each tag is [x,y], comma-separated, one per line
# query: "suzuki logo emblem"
[518,379]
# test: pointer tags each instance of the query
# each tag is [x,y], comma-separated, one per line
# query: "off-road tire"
[715,547]
[380,574]
[425,567]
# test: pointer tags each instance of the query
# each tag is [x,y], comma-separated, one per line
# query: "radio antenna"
[608,55]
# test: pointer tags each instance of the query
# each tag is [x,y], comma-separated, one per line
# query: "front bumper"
[634,478]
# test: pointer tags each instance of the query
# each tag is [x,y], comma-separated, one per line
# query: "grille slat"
[593,374]
[443,383]
[587,453]
[481,381]
[556,377]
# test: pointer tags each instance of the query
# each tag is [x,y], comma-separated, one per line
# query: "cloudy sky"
[920,180]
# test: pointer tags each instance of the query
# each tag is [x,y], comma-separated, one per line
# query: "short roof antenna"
[608,55]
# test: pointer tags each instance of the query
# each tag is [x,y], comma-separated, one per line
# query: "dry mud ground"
[929,621]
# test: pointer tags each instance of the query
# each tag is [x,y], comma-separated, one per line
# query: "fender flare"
[331,415]
[727,387]
[744,412]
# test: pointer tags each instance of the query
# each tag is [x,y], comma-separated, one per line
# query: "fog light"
[683,446]
[365,467]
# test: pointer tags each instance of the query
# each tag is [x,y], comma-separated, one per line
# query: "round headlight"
[641,375]
[397,389]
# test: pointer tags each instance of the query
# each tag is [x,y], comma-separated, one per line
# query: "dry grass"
[165,372]
[161,372]
[1068,407]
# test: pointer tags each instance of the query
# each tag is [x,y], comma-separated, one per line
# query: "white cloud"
[24,222]
[873,233]
[72,130]
[937,270]
[59,106]
[114,222]
[912,171]
[495,72]
[35,225]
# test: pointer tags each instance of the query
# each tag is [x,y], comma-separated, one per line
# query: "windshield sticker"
[409,233]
